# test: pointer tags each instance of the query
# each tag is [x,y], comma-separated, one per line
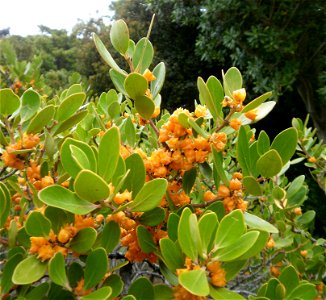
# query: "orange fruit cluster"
[16,161]
[177,194]
[46,248]
[233,199]
[236,102]
[79,289]
[217,274]
[180,293]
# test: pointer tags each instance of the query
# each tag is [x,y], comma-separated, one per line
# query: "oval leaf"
[149,196]
[119,36]
[37,225]
[60,197]
[42,119]
[135,85]
[29,270]
[103,293]
[195,282]
[110,236]
[257,223]
[57,271]
[84,240]
[91,187]
[145,240]
[9,102]
[143,55]
[145,106]
[269,164]
[31,102]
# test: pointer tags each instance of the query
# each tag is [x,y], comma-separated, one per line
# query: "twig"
[8,175]
[226,120]
[205,204]
[154,127]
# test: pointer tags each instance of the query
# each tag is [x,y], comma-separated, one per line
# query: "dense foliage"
[193,202]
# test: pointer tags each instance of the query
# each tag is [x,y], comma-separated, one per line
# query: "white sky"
[24,16]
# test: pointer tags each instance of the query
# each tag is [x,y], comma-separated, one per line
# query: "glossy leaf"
[135,85]
[188,239]
[108,153]
[91,187]
[9,102]
[252,186]
[206,97]
[142,288]
[145,240]
[269,164]
[143,55]
[231,227]
[207,226]
[238,248]
[30,103]
[103,293]
[153,217]
[144,106]
[57,271]
[110,236]
[258,223]
[83,240]
[149,196]
[106,56]
[60,197]
[69,106]
[119,36]
[157,84]
[195,282]
[37,225]
[232,81]
[285,144]
[256,102]
[42,118]
[223,294]
[96,267]
[172,255]
[29,270]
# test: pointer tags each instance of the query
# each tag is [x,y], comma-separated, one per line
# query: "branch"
[8,175]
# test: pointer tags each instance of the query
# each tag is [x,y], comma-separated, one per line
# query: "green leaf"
[38,292]
[57,271]
[206,97]
[29,270]
[5,201]
[91,187]
[189,179]
[289,278]
[173,222]
[306,291]
[264,109]
[108,153]
[144,106]
[207,225]
[216,90]
[143,55]
[238,248]
[70,122]
[295,186]
[103,293]
[74,89]
[256,102]
[243,151]
[232,81]
[232,268]
[142,288]
[135,85]
[223,294]
[188,234]
[80,157]
[60,197]
[9,102]
[69,106]
[145,240]
[252,186]
[119,36]
[153,217]
[110,236]
[218,164]
[197,128]
[285,144]
[96,267]
[183,120]
[263,142]
[156,85]
[269,164]
[130,132]
[115,282]
[163,292]
[31,102]
[257,246]
[195,282]
[7,272]
[258,223]
[106,56]
[172,255]
[231,227]
[118,80]
[37,225]
[83,240]
[114,110]
[149,196]
[42,118]
[307,217]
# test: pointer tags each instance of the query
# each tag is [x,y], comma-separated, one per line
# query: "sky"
[24,16]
